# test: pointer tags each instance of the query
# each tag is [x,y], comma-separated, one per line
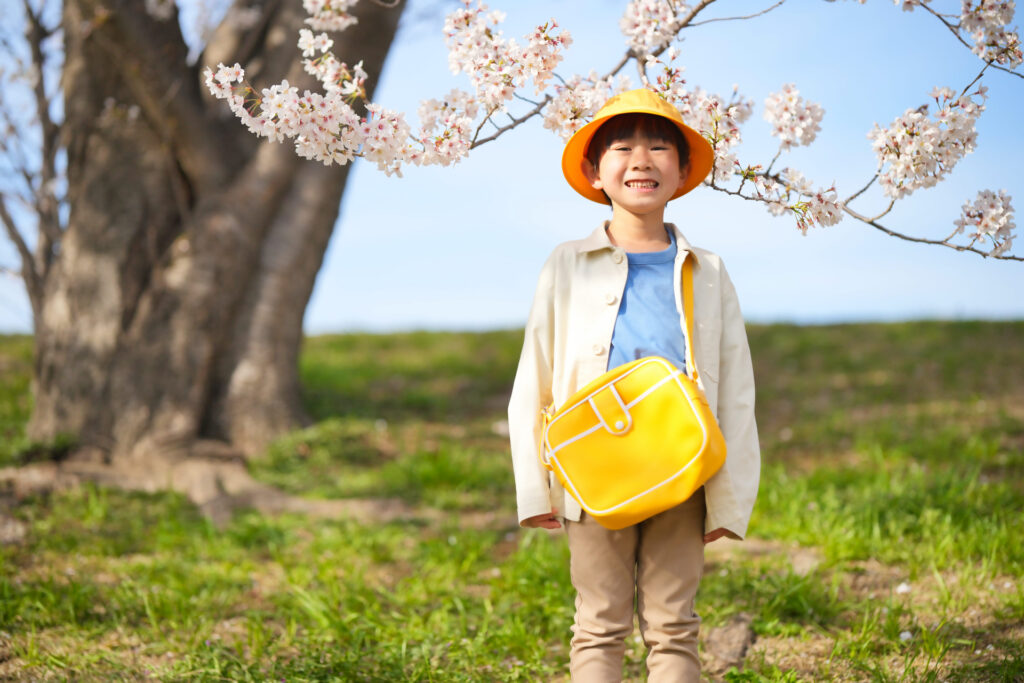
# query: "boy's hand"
[545,521]
[717,534]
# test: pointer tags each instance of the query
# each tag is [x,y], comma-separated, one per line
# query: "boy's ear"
[684,173]
[591,174]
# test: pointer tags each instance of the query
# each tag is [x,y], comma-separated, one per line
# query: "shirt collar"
[598,240]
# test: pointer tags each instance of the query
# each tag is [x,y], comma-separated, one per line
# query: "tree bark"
[171,319]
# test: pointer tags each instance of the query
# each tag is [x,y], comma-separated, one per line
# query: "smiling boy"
[606,300]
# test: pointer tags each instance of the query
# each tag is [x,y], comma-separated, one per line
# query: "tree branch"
[44,196]
[861,190]
[515,122]
[749,16]
[29,274]
[921,240]
[688,19]
[873,222]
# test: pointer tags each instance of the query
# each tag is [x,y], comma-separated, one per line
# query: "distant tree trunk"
[169,324]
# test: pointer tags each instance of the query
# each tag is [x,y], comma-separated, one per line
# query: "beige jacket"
[567,338]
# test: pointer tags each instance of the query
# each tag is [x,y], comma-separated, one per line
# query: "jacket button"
[598,349]
[618,257]
[610,298]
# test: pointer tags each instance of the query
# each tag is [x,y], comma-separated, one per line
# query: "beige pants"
[659,562]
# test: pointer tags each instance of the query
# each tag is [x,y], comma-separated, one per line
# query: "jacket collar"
[598,240]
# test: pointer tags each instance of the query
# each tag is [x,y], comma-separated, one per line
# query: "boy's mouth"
[642,184]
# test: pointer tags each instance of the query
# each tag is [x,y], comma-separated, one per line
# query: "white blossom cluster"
[576,102]
[446,129]
[989,217]
[325,127]
[794,120]
[329,15]
[916,151]
[986,24]
[651,24]
[498,67]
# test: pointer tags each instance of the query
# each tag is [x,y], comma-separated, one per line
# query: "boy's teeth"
[642,183]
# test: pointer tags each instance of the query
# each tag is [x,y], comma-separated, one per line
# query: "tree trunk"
[171,320]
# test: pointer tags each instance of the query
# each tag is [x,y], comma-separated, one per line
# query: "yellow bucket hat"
[641,101]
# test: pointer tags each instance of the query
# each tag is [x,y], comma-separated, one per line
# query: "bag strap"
[691,365]
[545,457]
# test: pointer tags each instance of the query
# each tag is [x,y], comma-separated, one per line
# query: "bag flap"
[611,411]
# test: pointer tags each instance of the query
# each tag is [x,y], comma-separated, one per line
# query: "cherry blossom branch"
[861,190]
[921,240]
[749,16]
[515,122]
[914,152]
[976,78]
[955,30]
[886,211]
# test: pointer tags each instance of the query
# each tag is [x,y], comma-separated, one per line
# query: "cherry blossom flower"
[329,15]
[497,67]
[794,120]
[651,24]
[989,218]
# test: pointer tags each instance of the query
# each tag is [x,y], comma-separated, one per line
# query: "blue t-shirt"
[648,323]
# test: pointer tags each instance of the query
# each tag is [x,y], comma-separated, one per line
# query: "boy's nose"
[641,159]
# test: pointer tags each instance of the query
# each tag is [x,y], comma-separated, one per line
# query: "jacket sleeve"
[531,392]
[736,415]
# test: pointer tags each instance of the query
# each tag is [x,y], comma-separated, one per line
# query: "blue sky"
[461,247]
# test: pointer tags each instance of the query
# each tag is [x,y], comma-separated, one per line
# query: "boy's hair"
[626,125]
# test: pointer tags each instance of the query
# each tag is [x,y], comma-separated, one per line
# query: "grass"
[885,544]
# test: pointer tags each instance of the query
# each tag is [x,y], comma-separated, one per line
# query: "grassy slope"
[886,538]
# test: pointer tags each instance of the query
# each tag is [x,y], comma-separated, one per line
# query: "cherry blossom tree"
[167,254]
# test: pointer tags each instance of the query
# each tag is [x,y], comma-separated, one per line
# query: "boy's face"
[639,174]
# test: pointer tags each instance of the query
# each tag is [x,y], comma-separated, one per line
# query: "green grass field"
[886,544]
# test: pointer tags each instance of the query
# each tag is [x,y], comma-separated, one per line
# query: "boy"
[607,300]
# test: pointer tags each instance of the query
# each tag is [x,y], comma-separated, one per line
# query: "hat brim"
[574,155]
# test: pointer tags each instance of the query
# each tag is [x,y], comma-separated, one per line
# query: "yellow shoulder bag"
[639,439]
